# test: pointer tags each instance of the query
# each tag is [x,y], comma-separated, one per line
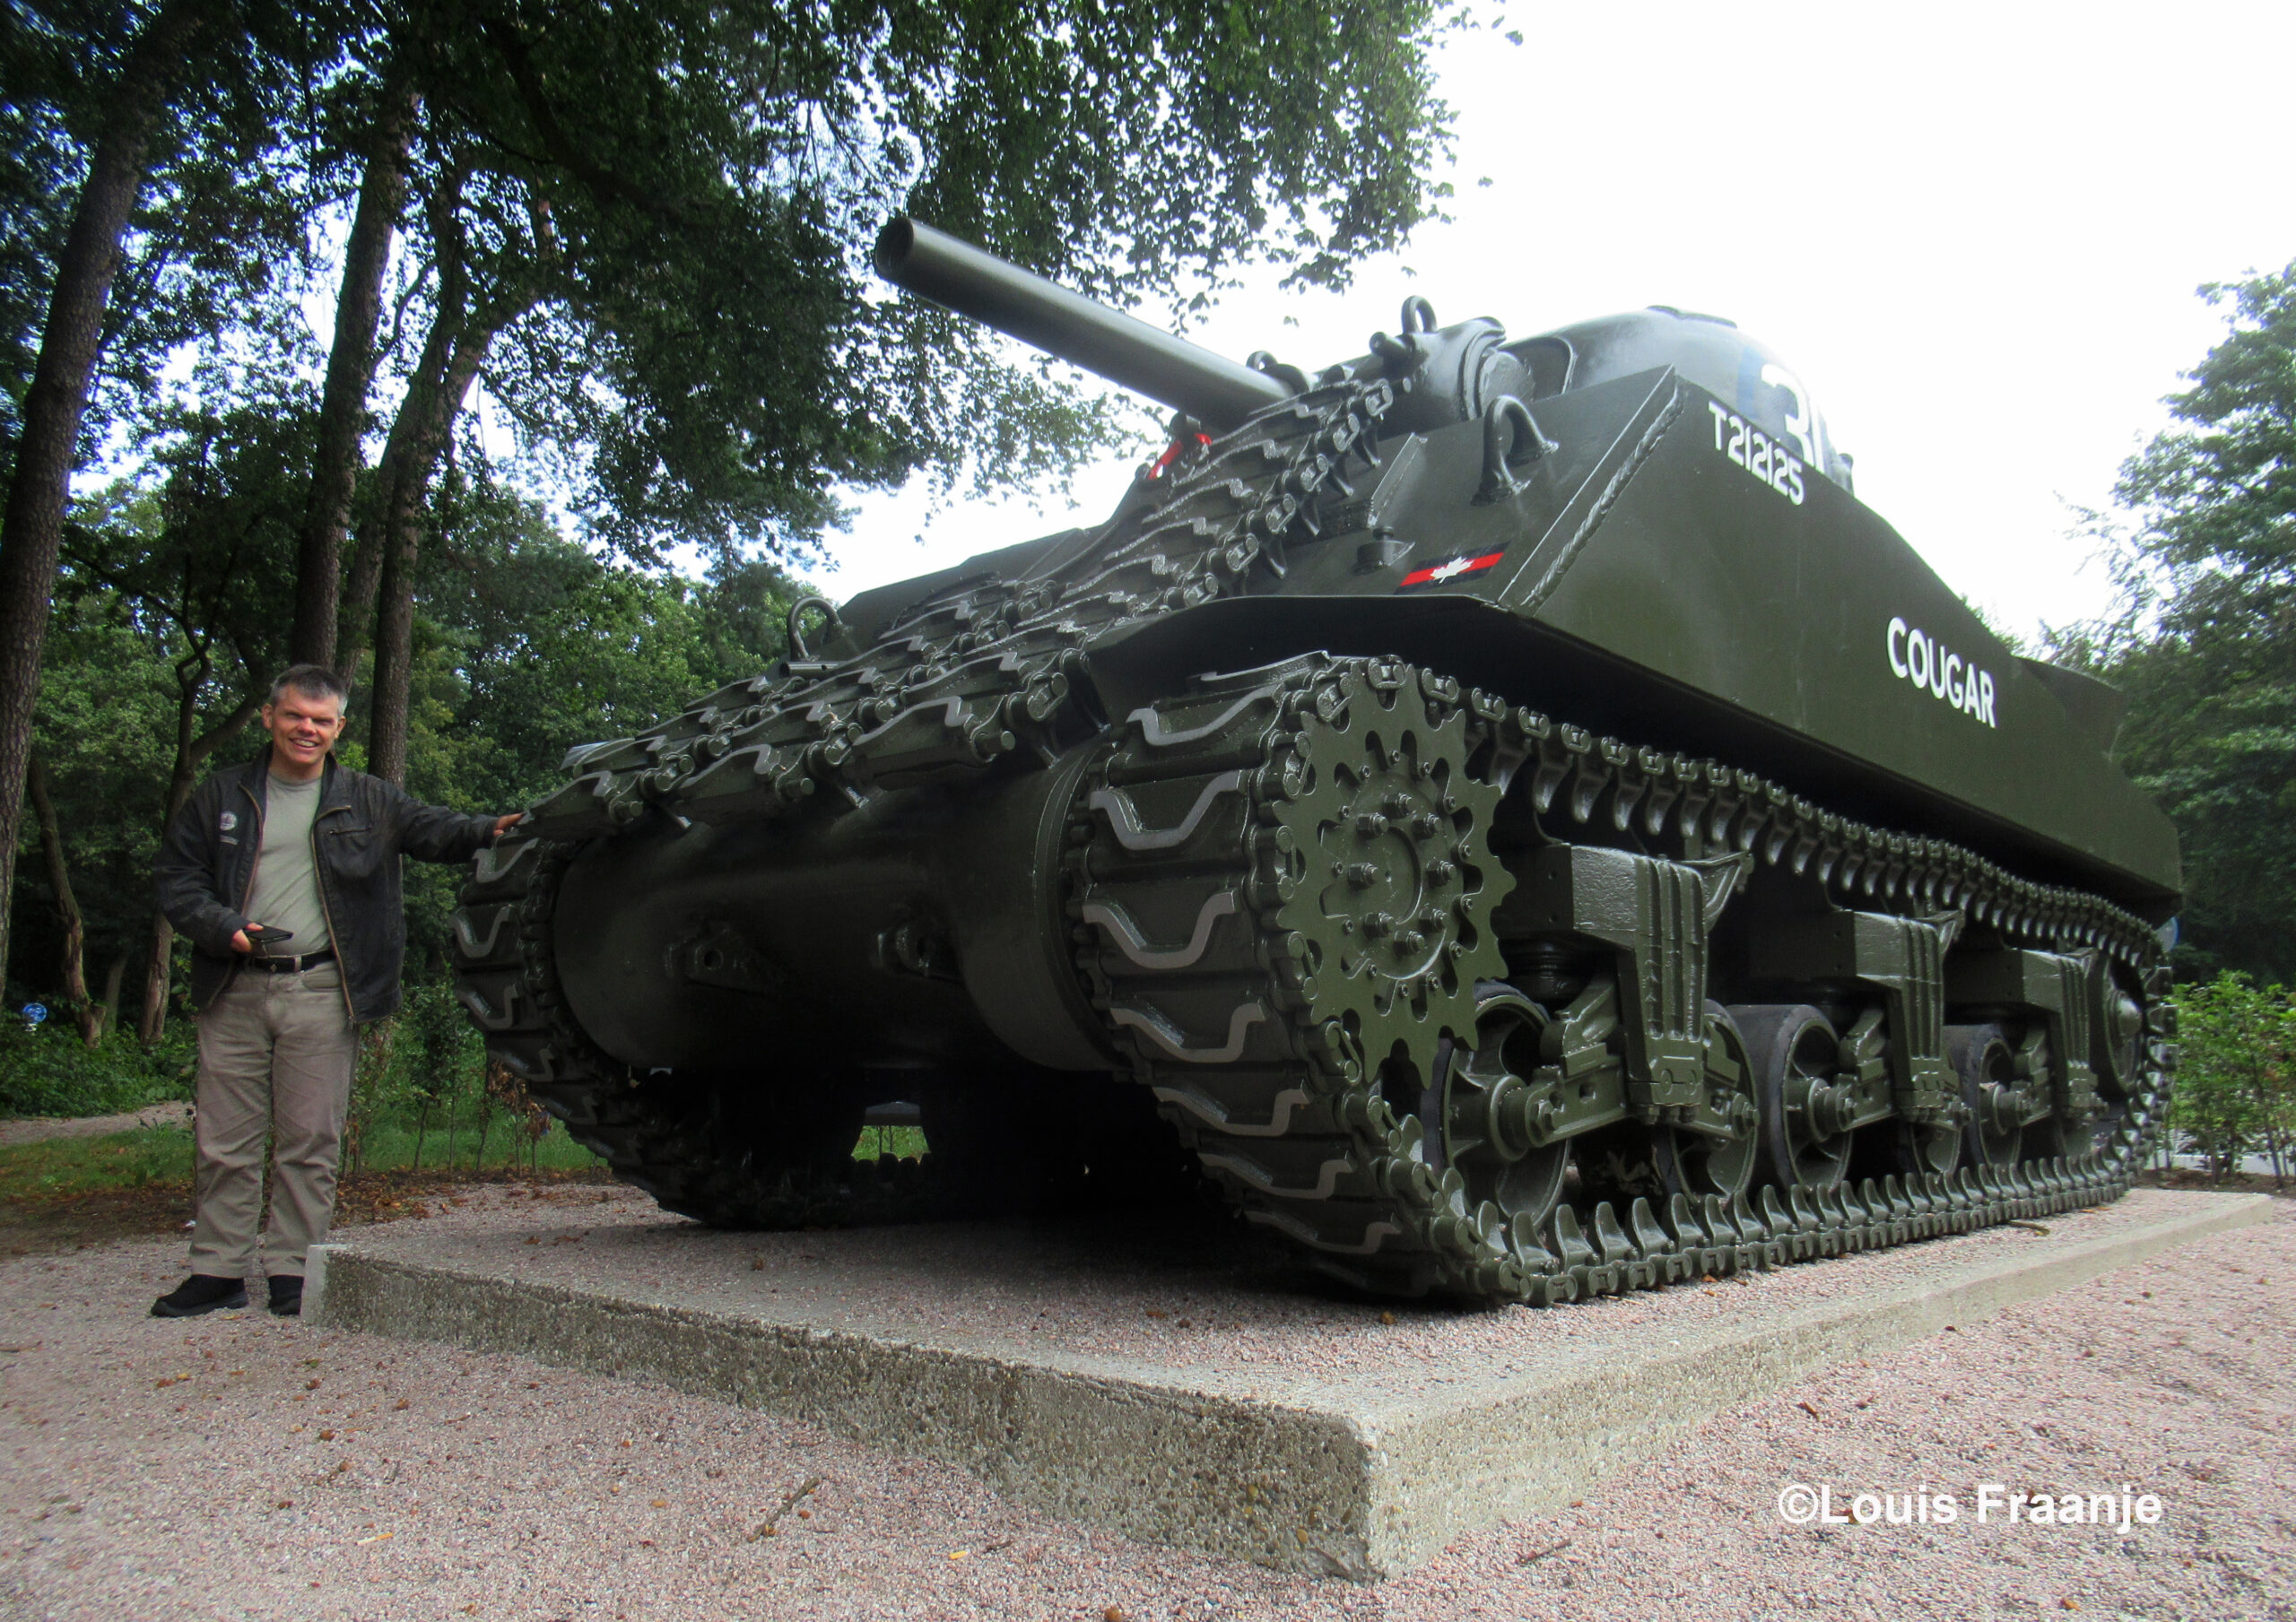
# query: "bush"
[46,1069]
[2235,1079]
[425,1095]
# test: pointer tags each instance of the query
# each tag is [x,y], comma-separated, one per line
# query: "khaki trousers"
[275,1054]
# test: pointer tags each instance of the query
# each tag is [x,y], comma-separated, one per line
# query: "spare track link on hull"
[986,667]
[1196,847]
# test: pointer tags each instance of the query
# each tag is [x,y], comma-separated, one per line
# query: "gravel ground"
[243,1466]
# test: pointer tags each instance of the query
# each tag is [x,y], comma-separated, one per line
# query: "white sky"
[1974,231]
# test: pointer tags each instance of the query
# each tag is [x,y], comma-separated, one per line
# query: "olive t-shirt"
[286,892]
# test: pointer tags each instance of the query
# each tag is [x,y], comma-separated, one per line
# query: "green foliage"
[106,725]
[902,1143]
[664,214]
[240,166]
[2236,1083]
[46,1069]
[170,610]
[420,1097]
[441,1046]
[2203,642]
[528,644]
[2218,496]
[659,216]
[40,167]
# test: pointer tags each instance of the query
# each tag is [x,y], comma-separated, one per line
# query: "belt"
[294,965]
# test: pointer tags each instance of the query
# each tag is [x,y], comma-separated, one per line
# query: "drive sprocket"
[1386,888]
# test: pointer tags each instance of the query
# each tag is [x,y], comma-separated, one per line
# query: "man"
[284,874]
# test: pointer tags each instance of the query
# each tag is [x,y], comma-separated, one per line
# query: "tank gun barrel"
[1121,348]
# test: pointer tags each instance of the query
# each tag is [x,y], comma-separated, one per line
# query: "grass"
[392,1146]
[152,1165]
[60,1168]
[902,1143]
[64,1194]
[58,1193]
[159,1157]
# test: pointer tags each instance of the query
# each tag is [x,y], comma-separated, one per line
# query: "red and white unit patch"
[1445,571]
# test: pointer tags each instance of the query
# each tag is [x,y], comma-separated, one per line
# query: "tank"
[1502,811]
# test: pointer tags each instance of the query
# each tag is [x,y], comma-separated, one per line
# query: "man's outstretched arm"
[432,833]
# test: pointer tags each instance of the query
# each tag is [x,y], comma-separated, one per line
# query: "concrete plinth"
[1177,1390]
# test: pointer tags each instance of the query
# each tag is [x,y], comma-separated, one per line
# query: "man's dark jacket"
[361,827]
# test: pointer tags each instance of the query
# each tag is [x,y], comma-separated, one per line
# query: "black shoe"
[287,1295]
[202,1293]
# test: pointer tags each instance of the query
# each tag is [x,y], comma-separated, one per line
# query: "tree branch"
[208,742]
[561,147]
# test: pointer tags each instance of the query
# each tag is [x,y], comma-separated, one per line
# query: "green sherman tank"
[1521,823]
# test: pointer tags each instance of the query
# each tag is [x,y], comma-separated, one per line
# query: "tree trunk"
[69,347]
[158,973]
[402,546]
[350,373]
[89,1017]
[191,749]
[355,626]
[397,543]
[113,977]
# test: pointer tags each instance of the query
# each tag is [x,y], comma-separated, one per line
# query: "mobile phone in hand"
[262,935]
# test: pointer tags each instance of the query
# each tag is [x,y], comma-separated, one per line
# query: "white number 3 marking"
[1800,421]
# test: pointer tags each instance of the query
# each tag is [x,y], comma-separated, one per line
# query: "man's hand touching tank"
[504,824]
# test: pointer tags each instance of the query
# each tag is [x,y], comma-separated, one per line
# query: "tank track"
[689,1146]
[736,1155]
[1256,1048]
